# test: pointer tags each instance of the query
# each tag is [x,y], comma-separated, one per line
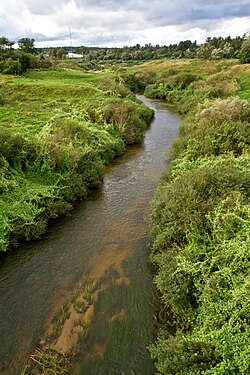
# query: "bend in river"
[103,244]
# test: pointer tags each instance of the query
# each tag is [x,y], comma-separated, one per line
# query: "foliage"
[244,54]
[27,45]
[129,118]
[55,150]
[11,66]
[217,48]
[11,146]
[200,223]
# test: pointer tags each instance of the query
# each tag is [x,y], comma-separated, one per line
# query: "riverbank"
[58,130]
[200,224]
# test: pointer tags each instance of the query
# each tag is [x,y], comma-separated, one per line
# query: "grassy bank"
[58,129]
[201,220]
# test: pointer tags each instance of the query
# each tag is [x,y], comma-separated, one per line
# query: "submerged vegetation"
[200,224]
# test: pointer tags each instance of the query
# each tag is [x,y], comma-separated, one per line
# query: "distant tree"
[61,53]
[5,43]
[244,54]
[205,51]
[27,45]
[217,54]
[228,50]
[6,49]
[184,45]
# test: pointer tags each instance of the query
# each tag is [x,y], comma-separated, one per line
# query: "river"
[105,242]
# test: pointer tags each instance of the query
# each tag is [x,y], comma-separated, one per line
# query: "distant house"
[72,55]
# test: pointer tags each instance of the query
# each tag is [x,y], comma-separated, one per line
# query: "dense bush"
[186,90]
[130,118]
[166,85]
[223,126]
[11,146]
[200,223]
[137,81]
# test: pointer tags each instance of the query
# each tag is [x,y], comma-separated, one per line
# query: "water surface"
[106,240]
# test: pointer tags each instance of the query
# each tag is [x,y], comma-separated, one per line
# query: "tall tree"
[5,43]
[244,54]
[27,45]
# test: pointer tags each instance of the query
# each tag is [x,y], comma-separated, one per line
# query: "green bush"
[11,146]
[12,66]
[244,54]
[231,109]
[203,278]
[223,126]
[191,191]
[164,88]
[129,118]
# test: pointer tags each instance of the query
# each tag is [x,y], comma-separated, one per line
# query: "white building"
[72,55]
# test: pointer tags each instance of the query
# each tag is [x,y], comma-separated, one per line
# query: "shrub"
[11,146]
[129,118]
[168,88]
[181,355]
[231,109]
[221,127]
[12,66]
[244,54]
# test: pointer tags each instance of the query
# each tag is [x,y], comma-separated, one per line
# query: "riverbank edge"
[212,148]
[84,172]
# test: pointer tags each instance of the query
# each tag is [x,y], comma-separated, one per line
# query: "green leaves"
[200,222]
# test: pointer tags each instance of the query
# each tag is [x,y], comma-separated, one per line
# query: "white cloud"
[121,22]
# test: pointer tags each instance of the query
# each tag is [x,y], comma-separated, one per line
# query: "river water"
[105,240]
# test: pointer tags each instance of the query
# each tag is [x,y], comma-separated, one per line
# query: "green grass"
[63,126]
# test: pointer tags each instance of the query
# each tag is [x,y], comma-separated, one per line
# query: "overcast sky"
[122,22]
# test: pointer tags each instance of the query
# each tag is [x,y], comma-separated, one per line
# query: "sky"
[117,23]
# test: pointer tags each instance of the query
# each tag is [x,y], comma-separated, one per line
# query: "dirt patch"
[67,341]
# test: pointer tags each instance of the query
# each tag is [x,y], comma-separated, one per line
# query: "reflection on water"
[105,240]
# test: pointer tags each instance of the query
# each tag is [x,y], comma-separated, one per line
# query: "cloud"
[121,22]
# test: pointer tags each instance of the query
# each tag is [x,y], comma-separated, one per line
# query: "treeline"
[200,224]
[26,56]
[17,61]
[213,48]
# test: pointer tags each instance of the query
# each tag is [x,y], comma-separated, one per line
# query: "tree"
[244,54]
[205,51]
[6,49]
[27,45]
[61,53]
[5,43]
